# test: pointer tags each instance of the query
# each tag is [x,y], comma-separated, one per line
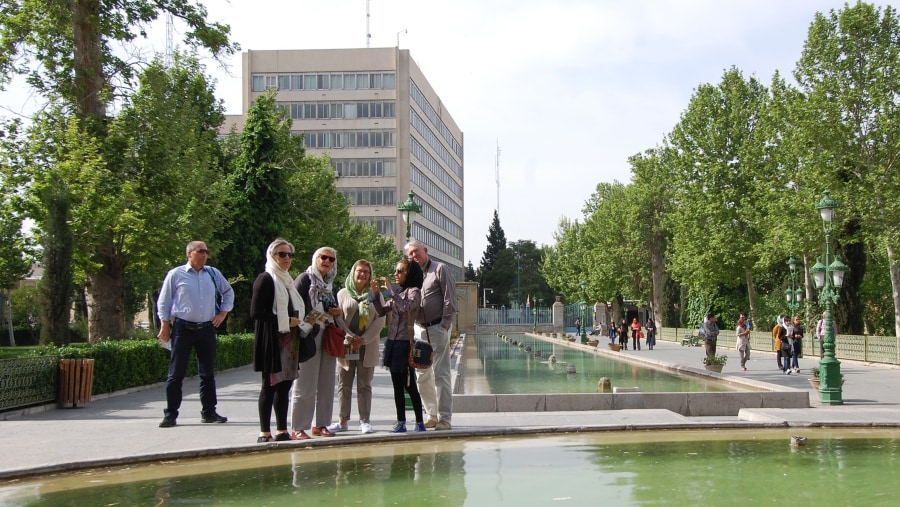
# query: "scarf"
[284,289]
[362,300]
[320,289]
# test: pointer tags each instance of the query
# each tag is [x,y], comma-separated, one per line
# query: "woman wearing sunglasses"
[404,299]
[276,306]
[314,388]
[364,326]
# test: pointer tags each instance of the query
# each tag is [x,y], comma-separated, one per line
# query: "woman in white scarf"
[276,306]
[313,391]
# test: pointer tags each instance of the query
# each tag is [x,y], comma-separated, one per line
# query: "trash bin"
[76,378]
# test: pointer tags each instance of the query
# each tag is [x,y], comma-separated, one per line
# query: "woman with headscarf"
[364,326]
[313,391]
[404,299]
[276,306]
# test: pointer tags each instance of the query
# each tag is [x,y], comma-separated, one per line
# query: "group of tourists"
[297,383]
[620,333]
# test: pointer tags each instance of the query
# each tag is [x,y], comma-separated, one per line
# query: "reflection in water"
[836,467]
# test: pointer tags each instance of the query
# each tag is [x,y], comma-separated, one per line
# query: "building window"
[259,83]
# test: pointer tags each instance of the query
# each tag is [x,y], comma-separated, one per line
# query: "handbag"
[333,340]
[421,353]
[305,345]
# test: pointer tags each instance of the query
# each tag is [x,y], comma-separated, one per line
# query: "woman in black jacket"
[276,306]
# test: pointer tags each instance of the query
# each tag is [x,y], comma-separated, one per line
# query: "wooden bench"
[691,340]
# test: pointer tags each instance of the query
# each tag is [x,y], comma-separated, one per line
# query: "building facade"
[387,133]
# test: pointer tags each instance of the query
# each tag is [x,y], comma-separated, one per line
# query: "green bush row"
[140,361]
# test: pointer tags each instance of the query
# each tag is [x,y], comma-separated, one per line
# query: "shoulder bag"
[421,353]
[333,340]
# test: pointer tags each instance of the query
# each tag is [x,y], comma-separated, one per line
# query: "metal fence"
[514,316]
[28,381]
[871,349]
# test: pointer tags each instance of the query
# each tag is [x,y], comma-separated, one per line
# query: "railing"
[872,349]
[28,381]
[514,317]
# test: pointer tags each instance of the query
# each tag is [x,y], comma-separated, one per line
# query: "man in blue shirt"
[189,316]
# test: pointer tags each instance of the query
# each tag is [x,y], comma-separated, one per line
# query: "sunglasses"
[399,271]
[202,251]
[327,258]
[285,254]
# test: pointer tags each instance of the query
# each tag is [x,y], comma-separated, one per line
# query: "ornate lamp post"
[534,319]
[794,295]
[583,308]
[408,208]
[829,366]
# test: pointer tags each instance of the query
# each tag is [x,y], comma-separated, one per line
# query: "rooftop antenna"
[170,29]
[368,32]
[497,176]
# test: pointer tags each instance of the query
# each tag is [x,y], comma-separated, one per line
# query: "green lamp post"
[793,295]
[829,366]
[408,208]
[583,308]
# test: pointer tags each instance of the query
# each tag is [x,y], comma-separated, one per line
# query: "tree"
[15,251]
[529,280]
[653,203]
[470,275]
[497,268]
[715,223]
[69,55]
[496,243]
[851,127]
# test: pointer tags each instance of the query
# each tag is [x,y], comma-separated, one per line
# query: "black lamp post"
[829,278]
[408,208]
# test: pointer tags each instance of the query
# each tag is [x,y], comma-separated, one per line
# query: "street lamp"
[408,208]
[583,308]
[484,297]
[829,366]
[794,295]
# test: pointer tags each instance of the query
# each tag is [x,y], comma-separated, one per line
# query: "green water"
[736,467]
[495,366]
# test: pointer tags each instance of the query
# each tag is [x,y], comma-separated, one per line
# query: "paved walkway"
[122,428]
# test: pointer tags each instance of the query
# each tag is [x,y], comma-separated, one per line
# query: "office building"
[386,131]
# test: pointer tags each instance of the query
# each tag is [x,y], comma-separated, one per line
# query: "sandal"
[300,435]
[263,439]
[281,437]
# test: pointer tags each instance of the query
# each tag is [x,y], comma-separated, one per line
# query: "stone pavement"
[122,427]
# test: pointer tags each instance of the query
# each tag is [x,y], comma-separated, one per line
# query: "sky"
[567,89]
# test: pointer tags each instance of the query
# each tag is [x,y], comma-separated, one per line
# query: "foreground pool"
[691,468]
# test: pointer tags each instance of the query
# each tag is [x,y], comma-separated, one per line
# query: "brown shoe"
[300,435]
[322,431]
[442,425]
[431,423]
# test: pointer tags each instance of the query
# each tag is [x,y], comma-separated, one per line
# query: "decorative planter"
[593,343]
[714,367]
[615,347]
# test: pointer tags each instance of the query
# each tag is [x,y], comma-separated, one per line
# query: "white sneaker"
[365,428]
[787,372]
[797,370]
[337,427]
